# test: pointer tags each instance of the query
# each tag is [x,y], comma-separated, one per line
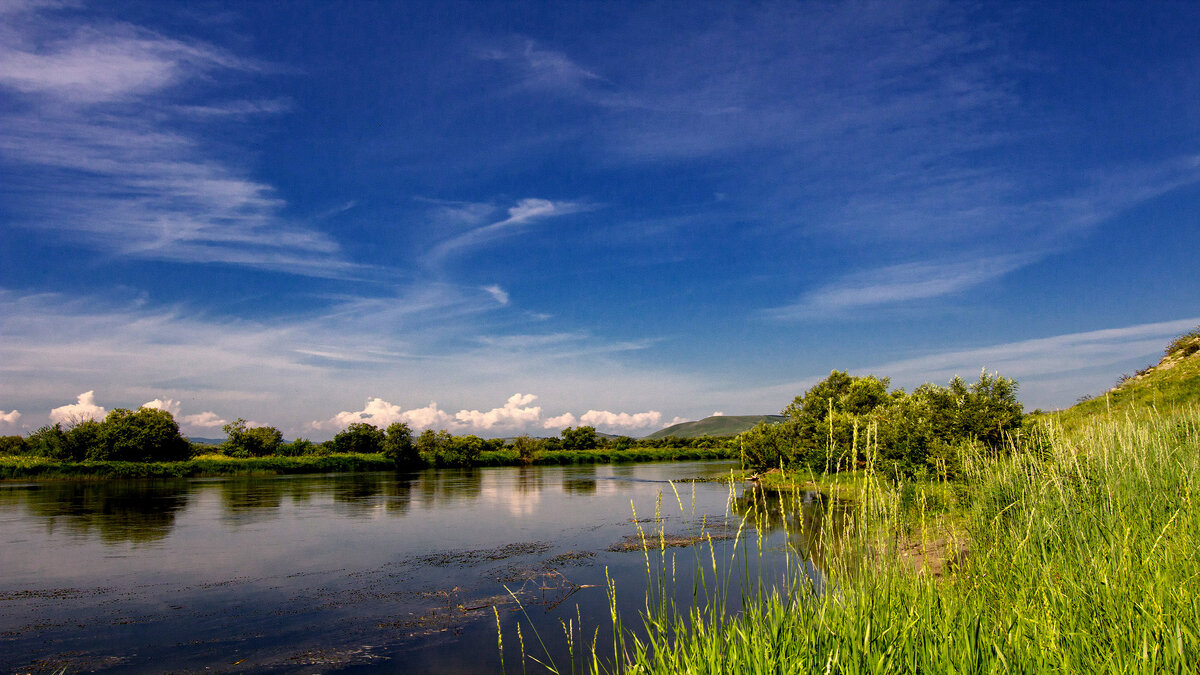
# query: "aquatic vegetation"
[1077,555]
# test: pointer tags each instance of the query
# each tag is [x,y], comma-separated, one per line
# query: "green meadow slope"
[717,425]
[1172,383]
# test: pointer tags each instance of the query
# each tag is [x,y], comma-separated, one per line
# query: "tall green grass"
[1080,556]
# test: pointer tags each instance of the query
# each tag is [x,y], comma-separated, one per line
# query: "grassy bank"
[1080,558]
[40,468]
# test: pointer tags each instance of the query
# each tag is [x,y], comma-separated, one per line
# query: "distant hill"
[1171,383]
[205,441]
[717,425]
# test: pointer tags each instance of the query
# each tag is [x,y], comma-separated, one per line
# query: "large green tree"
[143,435]
[359,437]
[398,446]
[580,438]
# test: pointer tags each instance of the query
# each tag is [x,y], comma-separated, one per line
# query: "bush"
[398,446]
[50,442]
[297,448]
[243,441]
[580,438]
[526,448]
[1186,344]
[845,421]
[144,435]
[359,437]
[441,449]
[13,445]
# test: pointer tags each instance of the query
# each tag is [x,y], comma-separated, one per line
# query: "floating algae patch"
[469,558]
[572,557]
[350,656]
[634,542]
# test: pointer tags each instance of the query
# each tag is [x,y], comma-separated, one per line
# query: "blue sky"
[510,217]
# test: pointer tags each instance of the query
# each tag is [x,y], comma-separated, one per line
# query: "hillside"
[1171,383]
[717,425]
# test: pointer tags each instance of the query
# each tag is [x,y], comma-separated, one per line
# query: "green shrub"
[13,445]
[398,446]
[360,437]
[244,441]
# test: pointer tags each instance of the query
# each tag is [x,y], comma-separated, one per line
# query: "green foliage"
[359,437]
[297,448]
[526,448]
[50,442]
[462,451]
[243,441]
[398,446]
[580,438]
[86,441]
[844,422]
[764,446]
[13,445]
[144,435]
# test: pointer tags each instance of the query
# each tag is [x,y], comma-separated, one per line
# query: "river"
[393,572]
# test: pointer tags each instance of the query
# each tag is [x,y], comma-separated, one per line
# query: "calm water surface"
[343,572]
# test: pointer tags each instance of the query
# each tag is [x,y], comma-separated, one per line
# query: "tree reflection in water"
[135,512]
[580,480]
[814,523]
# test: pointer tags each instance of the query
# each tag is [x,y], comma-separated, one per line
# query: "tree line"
[152,435]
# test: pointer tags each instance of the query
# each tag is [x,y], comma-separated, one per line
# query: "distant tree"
[359,437]
[432,445]
[580,438]
[462,451]
[244,441]
[297,448]
[13,445]
[86,440]
[49,441]
[622,443]
[399,447]
[143,435]
[525,447]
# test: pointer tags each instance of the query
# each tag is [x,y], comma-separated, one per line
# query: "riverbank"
[1080,558]
[40,468]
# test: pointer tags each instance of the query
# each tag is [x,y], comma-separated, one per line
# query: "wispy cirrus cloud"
[1046,357]
[524,212]
[431,345]
[895,284]
[103,153]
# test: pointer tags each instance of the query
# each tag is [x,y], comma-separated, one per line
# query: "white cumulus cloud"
[170,405]
[207,419]
[381,413]
[7,418]
[559,422]
[84,408]
[604,418]
[516,413]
